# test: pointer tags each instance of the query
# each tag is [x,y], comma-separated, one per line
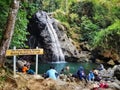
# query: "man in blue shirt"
[52,73]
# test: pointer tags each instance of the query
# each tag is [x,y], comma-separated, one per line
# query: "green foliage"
[74,29]
[3,75]
[1,33]
[95,17]
[60,15]
[94,21]
[88,29]
[4,7]
[2,78]
[63,18]
[29,8]
[109,37]
[74,18]
[50,5]
[116,12]
[102,16]
[20,33]
[82,8]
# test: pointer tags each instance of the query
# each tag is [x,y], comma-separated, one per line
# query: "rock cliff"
[40,36]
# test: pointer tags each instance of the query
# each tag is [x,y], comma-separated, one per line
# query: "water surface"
[43,67]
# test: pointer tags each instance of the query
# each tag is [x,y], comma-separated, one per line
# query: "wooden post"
[36,63]
[14,63]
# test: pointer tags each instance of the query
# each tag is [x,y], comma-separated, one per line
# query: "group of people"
[53,74]
[93,75]
[24,67]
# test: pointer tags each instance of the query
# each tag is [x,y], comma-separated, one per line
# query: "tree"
[9,30]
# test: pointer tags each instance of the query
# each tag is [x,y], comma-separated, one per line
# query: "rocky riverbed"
[64,82]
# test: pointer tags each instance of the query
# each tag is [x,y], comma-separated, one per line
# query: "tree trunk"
[9,30]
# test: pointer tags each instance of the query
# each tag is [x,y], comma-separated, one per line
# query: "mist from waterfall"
[56,48]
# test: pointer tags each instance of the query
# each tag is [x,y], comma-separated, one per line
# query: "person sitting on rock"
[81,74]
[97,75]
[101,67]
[91,76]
[52,73]
[30,71]
[25,68]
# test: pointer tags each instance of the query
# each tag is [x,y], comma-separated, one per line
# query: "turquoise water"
[43,67]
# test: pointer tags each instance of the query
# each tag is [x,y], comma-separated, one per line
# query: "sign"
[12,52]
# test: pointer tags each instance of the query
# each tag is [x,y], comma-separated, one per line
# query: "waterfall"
[44,33]
[56,48]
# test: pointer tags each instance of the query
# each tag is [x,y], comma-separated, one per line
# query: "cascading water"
[43,34]
[57,51]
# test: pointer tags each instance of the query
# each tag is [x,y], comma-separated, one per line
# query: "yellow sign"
[12,52]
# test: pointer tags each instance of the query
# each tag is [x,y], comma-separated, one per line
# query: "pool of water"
[43,67]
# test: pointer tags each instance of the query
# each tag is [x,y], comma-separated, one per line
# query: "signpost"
[13,52]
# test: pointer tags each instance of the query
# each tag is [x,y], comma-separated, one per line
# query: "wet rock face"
[108,57]
[37,23]
[40,36]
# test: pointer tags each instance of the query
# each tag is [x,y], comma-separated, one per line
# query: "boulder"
[41,36]
[20,63]
[111,62]
[114,86]
[117,71]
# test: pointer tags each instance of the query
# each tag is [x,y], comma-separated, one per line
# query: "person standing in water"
[65,70]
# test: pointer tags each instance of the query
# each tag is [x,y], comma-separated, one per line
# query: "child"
[25,68]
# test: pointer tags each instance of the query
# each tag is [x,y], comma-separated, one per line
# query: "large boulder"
[117,71]
[20,63]
[111,62]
